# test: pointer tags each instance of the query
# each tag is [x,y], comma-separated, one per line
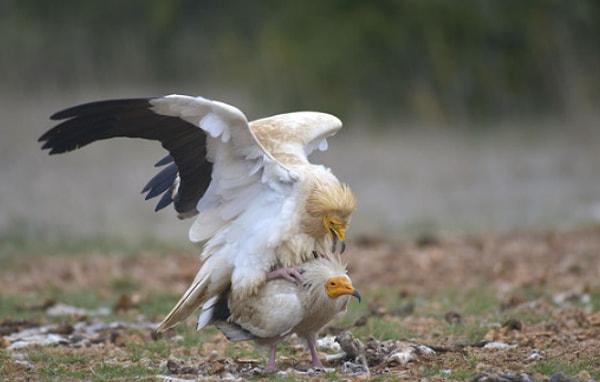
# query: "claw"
[293,275]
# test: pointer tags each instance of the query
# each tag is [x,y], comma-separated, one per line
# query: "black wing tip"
[58,115]
[164,202]
[60,139]
[164,161]
[48,146]
[92,106]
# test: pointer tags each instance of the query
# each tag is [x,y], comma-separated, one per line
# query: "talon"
[293,275]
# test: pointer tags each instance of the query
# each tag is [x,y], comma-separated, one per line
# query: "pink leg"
[271,365]
[312,347]
[293,274]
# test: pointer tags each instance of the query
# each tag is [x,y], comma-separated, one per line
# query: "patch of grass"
[384,328]
[472,302]
[104,372]
[595,299]
[51,364]
[31,306]
[124,284]
[60,369]
[469,331]
[11,307]
[247,350]
[23,240]
[193,338]
[481,304]
[157,305]
[132,354]
[153,350]
[570,368]
[87,298]
[464,374]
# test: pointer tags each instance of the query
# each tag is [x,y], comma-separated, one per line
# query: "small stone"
[351,346]
[513,324]
[453,317]
[361,321]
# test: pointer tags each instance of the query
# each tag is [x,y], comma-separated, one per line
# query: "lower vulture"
[281,308]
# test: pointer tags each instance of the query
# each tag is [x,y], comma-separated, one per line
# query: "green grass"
[139,357]
[76,366]
[142,358]
[568,368]
[24,240]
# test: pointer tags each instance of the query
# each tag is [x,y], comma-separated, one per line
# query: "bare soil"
[544,287]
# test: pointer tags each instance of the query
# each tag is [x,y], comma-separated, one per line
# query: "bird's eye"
[332,283]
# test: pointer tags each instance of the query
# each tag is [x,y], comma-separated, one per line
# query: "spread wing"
[236,176]
[181,124]
[197,132]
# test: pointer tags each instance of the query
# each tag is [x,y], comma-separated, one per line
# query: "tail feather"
[194,297]
[234,332]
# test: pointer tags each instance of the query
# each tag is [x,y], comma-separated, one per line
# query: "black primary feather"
[133,118]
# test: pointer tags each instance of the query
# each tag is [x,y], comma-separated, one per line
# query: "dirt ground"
[541,291]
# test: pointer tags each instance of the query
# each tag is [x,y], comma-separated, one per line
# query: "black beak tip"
[357,295]
[335,244]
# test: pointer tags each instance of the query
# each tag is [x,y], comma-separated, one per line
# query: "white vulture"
[281,308]
[262,208]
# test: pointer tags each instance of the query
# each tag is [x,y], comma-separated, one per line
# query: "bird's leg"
[312,347]
[271,365]
[292,274]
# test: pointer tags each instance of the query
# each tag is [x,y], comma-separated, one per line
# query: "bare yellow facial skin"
[339,286]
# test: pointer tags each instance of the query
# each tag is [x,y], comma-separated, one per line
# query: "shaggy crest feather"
[337,198]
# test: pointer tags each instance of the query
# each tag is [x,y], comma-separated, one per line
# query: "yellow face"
[338,286]
[336,228]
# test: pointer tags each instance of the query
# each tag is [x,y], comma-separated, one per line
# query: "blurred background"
[468,116]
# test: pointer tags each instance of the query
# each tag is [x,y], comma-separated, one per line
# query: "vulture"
[261,208]
[281,308]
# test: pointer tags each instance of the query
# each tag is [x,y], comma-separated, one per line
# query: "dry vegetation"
[520,307]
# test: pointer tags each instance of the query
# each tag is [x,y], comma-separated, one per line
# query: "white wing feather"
[247,209]
[237,156]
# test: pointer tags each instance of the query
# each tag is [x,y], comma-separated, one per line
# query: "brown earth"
[541,291]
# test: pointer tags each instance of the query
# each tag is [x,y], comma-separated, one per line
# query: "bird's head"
[339,286]
[329,207]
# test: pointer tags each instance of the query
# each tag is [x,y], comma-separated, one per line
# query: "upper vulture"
[262,208]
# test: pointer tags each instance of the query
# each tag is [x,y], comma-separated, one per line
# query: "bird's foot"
[292,274]
[269,369]
[314,355]
[271,364]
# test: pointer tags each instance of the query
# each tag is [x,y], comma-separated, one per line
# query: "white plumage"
[261,205]
[281,308]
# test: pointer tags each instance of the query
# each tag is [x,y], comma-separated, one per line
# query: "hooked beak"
[338,235]
[338,286]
